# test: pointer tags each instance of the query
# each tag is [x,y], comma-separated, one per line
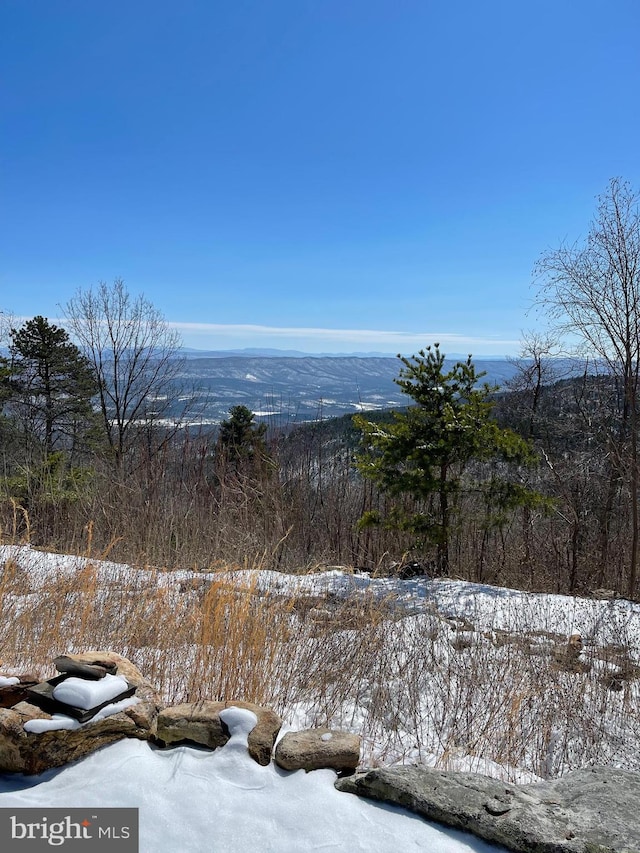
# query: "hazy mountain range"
[266,352]
[290,388]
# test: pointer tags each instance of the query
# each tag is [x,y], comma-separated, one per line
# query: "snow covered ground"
[197,801]
[456,675]
[488,607]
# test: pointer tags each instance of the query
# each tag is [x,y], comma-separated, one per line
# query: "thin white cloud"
[376,338]
[309,339]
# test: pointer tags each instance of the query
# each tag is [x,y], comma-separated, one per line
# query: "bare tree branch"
[135,355]
[592,291]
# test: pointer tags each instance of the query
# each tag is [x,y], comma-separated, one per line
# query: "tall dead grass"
[414,686]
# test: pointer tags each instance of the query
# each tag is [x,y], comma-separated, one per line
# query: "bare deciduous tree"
[535,369]
[6,324]
[592,291]
[135,355]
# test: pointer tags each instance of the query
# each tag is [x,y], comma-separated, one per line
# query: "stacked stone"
[198,723]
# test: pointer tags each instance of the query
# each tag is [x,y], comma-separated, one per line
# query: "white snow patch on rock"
[62,721]
[113,708]
[57,721]
[82,693]
[240,722]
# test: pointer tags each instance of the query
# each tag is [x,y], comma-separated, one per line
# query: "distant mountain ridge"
[292,389]
[270,352]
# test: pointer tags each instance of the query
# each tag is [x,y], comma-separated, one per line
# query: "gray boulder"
[315,749]
[199,722]
[594,810]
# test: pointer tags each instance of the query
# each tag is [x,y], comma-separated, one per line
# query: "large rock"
[31,752]
[315,749]
[594,810]
[199,722]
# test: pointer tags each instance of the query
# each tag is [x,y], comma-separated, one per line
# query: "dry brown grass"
[412,686]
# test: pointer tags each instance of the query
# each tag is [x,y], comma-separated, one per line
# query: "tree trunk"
[443,543]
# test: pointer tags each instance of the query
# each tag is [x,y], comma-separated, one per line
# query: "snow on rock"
[85,694]
[8,681]
[240,722]
[62,721]
[114,708]
[57,721]
[201,722]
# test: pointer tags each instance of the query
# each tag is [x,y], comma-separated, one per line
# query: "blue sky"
[324,175]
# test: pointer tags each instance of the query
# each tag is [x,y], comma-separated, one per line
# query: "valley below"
[290,390]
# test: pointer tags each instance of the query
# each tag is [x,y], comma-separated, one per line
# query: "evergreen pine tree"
[51,384]
[241,444]
[427,449]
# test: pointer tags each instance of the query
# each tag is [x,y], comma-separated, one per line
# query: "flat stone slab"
[72,666]
[315,749]
[594,810]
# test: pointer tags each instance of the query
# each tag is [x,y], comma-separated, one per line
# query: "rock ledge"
[594,810]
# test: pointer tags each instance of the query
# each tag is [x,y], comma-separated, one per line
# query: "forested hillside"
[294,497]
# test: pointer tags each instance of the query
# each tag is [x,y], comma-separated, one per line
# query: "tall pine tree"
[51,384]
[425,453]
[241,443]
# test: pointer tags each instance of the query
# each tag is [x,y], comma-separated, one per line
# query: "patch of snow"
[8,681]
[63,721]
[57,721]
[82,693]
[240,722]
[256,808]
[465,763]
[113,708]
[366,407]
